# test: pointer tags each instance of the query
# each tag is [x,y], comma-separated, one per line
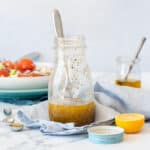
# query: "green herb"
[1,66]
[13,72]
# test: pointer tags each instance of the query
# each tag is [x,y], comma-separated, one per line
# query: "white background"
[111,27]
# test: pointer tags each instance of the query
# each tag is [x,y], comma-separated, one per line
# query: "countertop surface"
[136,141]
[34,140]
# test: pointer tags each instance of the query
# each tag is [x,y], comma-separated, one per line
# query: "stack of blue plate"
[23,97]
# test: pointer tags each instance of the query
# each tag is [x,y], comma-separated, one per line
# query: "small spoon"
[135,58]
[8,112]
[33,56]
[58,23]
[60,34]
[16,126]
[9,121]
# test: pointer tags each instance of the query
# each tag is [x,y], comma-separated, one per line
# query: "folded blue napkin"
[46,127]
[123,99]
[56,128]
[115,100]
[51,127]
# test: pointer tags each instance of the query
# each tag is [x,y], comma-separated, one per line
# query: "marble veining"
[32,139]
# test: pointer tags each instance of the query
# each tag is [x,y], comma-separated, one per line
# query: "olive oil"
[80,114]
[130,83]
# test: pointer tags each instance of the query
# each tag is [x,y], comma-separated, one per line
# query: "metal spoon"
[135,58]
[8,112]
[60,34]
[16,126]
[11,121]
[33,56]
[8,121]
[58,23]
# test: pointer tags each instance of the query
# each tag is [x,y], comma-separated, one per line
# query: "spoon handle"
[140,48]
[33,55]
[136,56]
[58,23]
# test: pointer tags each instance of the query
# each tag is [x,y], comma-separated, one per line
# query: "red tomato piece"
[8,64]
[25,64]
[4,73]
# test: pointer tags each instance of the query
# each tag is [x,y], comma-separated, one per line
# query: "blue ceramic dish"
[105,134]
[23,97]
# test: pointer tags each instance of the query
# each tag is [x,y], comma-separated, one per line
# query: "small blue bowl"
[105,134]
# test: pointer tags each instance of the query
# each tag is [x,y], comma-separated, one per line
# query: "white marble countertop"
[34,140]
[136,141]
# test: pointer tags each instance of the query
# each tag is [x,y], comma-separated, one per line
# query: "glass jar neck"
[70,42]
[69,47]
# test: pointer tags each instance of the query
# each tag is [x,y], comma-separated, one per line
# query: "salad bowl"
[27,83]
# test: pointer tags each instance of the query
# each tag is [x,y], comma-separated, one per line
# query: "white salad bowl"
[25,83]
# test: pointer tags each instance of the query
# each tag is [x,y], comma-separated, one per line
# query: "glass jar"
[70,93]
[134,77]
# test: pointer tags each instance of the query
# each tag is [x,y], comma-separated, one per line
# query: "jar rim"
[76,41]
[71,38]
[126,59]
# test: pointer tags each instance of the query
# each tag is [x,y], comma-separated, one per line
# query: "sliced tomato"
[4,73]
[25,64]
[8,64]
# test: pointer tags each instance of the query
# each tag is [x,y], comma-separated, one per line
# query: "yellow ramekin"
[130,122]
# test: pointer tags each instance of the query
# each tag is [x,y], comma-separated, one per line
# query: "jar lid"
[105,134]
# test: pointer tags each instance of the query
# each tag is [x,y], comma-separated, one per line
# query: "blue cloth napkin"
[123,99]
[56,128]
[46,127]
[116,99]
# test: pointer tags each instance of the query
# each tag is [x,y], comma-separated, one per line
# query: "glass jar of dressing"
[70,92]
[134,77]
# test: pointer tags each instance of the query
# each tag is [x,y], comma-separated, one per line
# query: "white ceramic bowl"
[23,83]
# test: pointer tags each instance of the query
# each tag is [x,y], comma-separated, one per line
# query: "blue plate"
[23,97]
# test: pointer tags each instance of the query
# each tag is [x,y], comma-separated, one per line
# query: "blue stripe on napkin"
[114,96]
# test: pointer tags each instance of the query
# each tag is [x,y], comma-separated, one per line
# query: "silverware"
[58,23]
[135,58]
[60,34]
[8,113]
[10,121]
[16,126]
[33,55]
